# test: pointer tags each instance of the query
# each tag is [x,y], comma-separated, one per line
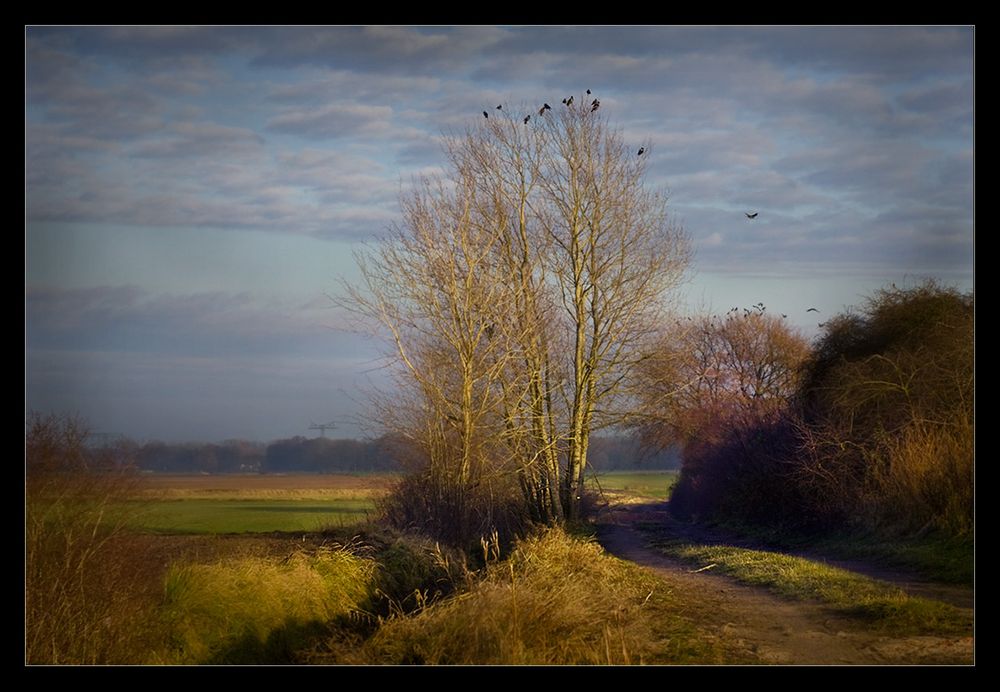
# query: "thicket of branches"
[872,428]
[520,292]
[888,413]
[721,389]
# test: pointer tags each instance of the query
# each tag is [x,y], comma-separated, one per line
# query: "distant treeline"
[324,455]
[616,453]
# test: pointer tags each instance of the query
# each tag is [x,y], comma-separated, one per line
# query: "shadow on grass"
[283,645]
[308,509]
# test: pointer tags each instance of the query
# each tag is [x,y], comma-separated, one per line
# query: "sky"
[194,196]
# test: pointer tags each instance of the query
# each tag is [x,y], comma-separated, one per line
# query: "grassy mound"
[260,609]
[556,600]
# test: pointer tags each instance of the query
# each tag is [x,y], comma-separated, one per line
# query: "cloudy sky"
[193,195]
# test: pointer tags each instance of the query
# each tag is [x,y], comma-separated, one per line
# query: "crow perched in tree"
[751,216]
[588,92]
[642,150]
[595,105]
[546,107]
[569,101]
[526,119]
[500,107]
[486,115]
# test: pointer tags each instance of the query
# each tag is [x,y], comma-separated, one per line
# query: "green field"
[651,484]
[261,504]
[196,504]
[249,516]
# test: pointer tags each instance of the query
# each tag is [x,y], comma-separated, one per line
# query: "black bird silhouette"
[545,107]
[564,101]
[500,107]
[588,92]
[642,150]
[526,119]
[595,105]
[486,115]
[751,216]
[784,316]
[569,101]
[812,310]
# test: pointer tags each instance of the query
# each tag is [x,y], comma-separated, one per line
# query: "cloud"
[190,139]
[312,130]
[334,121]
[139,47]
[131,319]
[382,48]
[890,52]
[330,86]
[855,145]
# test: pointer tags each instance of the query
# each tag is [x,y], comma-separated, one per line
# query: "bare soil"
[756,624]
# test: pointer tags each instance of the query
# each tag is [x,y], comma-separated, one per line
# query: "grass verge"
[938,557]
[875,602]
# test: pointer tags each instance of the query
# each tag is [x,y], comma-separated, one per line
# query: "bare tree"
[431,287]
[719,374]
[519,293]
[615,257]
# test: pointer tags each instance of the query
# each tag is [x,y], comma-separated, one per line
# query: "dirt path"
[755,623]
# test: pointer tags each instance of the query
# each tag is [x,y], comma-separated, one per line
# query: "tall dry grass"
[261,609]
[924,480]
[84,601]
[556,600]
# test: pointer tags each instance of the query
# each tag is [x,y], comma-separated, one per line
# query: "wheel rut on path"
[754,623]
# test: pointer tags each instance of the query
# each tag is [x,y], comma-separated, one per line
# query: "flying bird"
[595,105]
[642,150]
[486,115]
[751,216]
[526,119]
[812,310]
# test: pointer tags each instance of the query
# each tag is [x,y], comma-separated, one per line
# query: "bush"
[880,436]
[457,514]
[888,408]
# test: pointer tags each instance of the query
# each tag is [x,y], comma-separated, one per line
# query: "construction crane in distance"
[323,427]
